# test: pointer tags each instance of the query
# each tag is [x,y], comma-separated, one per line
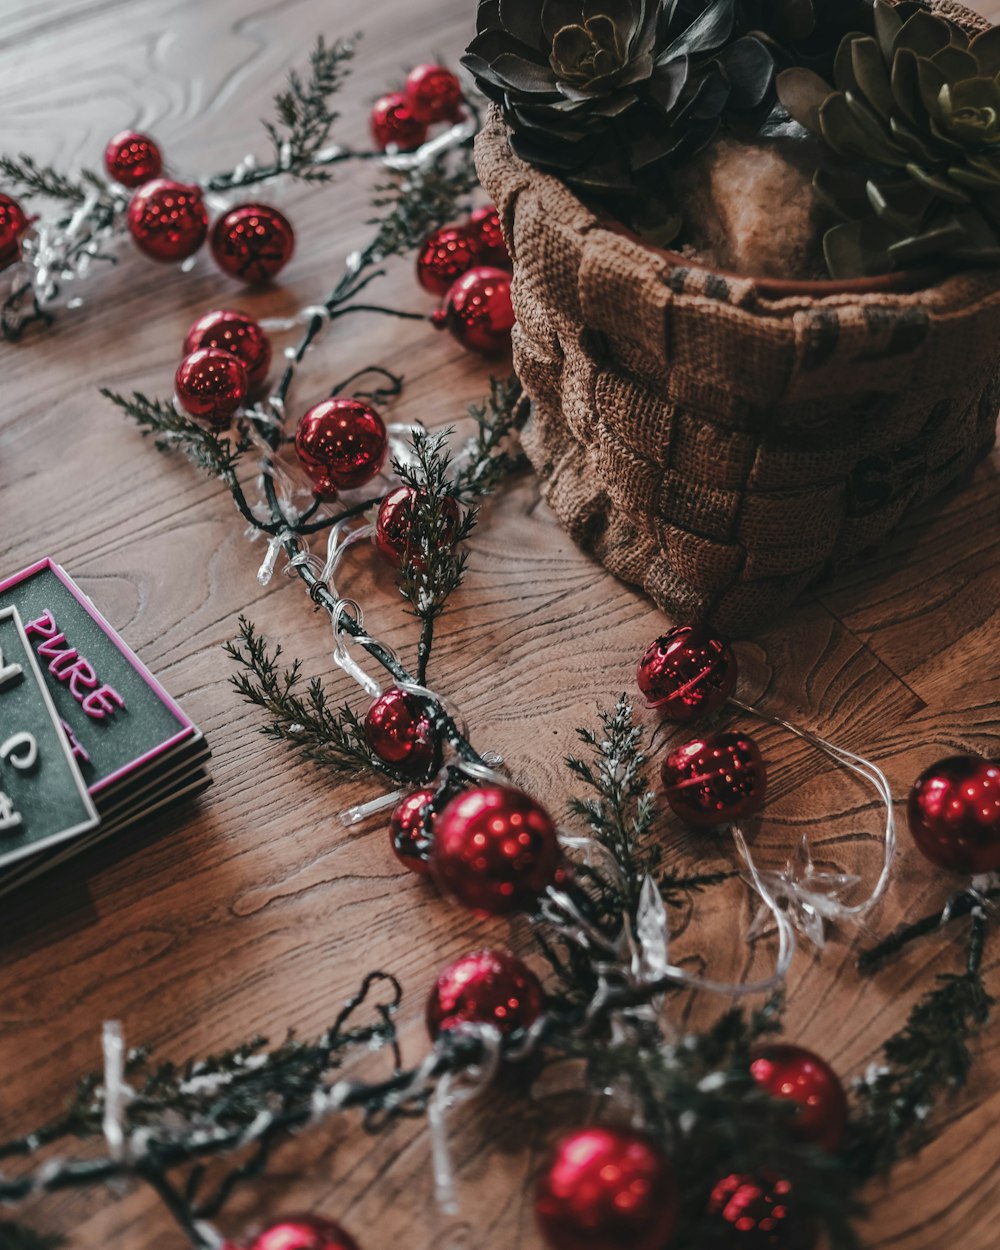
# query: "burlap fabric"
[720,447]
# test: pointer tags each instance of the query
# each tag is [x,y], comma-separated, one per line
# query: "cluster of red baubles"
[401,120]
[226,359]
[953,809]
[169,222]
[468,267]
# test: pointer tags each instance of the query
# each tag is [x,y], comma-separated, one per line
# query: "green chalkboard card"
[43,797]
[119,721]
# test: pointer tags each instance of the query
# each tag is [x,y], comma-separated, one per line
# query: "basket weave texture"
[717,446]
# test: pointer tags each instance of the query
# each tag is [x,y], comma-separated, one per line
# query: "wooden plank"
[259,911]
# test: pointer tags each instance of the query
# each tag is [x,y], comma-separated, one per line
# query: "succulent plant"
[806,32]
[914,118]
[608,93]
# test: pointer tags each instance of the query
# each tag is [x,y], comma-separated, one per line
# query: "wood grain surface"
[256,911]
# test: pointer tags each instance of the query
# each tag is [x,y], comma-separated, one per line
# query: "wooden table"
[258,911]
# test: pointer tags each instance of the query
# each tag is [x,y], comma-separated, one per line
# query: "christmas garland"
[703,1145]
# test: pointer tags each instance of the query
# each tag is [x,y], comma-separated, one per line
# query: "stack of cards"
[89,741]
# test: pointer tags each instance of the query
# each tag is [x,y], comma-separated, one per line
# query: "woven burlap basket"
[725,442]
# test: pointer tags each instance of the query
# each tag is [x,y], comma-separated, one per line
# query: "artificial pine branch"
[622,814]
[17,1237]
[490,457]
[930,1056]
[419,200]
[25,174]
[300,712]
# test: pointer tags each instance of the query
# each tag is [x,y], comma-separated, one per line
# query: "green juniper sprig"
[24,174]
[18,1237]
[299,712]
[930,1056]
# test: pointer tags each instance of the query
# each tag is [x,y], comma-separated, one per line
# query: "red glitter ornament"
[954,814]
[411,831]
[495,850]
[687,673]
[132,158]
[237,333]
[394,525]
[253,242]
[444,257]
[485,987]
[484,229]
[715,780]
[434,94]
[607,1189]
[211,385]
[167,220]
[754,1213]
[304,1232]
[341,444]
[478,311]
[805,1079]
[399,732]
[13,223]
[394,125]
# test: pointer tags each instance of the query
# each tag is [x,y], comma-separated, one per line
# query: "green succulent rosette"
[610,94]
[913,118]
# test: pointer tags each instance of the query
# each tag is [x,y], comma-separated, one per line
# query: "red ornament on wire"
[954,814]
[167,220]
[495,850]
[13,224]
[478,311]
[756,1213]
[607,1189]
[211,385]
[399,731]
[485,987]
[484,229]
[715,780]
[434,94]
[253,242]
[341,444]
[234,332]
[444,257]
[393,124]
[794,1073]
[132,158]
[411,831]
[304,1232]
[687,673]
[394,526]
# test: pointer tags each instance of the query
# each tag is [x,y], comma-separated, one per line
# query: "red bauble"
[395,523]
[484,229]
[341,444]
[805,1079]
[167,220]
[444,257]
[714,780]
[211,385]
[237,333]
[755,1213]
[399,732]
[607,1189]
[687,673]
[13,224]
[253,242]
[304,1232]
[485,987]
[495,850]
[478,311]
[394,125]
[411,831]
[434,94]
[954,814]
[132,158]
